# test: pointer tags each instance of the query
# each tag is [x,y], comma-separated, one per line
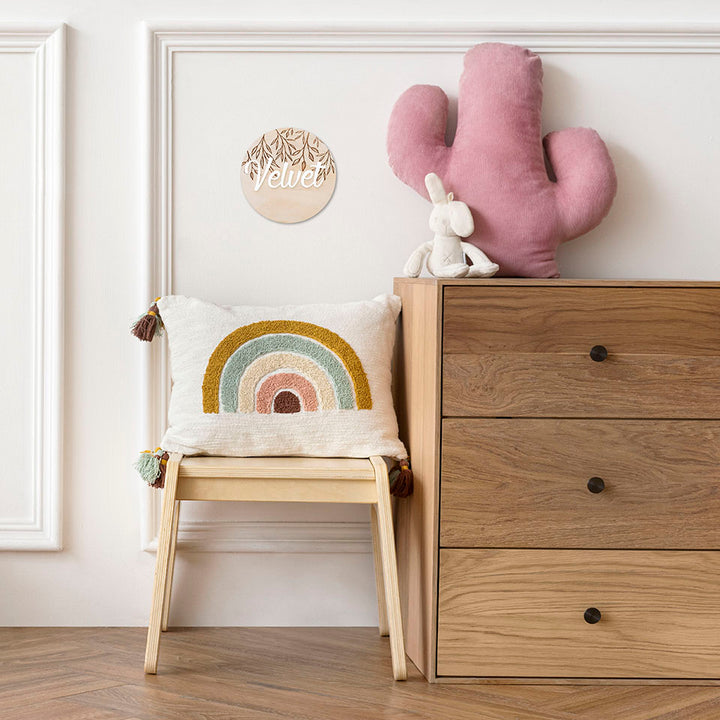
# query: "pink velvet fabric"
[496,163]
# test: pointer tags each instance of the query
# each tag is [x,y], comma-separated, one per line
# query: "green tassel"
[148,467]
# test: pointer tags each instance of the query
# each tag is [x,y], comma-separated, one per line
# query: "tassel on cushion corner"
[149,324]
[151,466]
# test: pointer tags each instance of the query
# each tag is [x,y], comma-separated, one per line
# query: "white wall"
[657,110]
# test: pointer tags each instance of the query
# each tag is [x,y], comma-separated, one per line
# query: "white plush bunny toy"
[450,220]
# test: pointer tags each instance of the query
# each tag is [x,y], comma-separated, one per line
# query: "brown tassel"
[149,325]
[401,480]
[160,482]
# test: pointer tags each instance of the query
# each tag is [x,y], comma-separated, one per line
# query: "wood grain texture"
[281,479]
[418,406]
[292,468]
[627,321]
[523,483]
[525,351]
[56,682]
[383,626]
[520,613]
[550,385]
[63,710]
[271,673]
[444,283]
[576,681]
[171,567]
[386,535]
[350,480]
[162,564]
[517,351]
[278,490]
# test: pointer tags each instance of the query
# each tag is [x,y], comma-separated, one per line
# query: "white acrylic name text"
[286,178]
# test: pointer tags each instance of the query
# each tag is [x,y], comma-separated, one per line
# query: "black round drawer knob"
[592,616]
[598,353]
[595,485]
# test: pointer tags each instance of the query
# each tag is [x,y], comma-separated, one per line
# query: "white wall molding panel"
[211,89]
[32,82]
[427,37]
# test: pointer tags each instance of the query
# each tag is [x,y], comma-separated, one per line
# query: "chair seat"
[290,468]
[277,479]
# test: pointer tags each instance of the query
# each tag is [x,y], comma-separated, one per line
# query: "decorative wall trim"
[43,530]
[163,40]
[435,37]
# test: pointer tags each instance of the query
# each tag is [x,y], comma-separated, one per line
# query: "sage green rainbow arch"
[241,348]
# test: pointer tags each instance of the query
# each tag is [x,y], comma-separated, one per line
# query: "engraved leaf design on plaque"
[288,175]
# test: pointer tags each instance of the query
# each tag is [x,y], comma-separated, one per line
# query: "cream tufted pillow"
[308,380]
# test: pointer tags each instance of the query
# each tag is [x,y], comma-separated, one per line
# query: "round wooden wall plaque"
[288,175]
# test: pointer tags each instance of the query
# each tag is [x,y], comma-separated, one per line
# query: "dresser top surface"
[555,282]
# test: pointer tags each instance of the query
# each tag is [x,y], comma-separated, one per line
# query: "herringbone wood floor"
[283,673]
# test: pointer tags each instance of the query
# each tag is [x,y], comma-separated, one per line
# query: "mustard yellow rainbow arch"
[328,339]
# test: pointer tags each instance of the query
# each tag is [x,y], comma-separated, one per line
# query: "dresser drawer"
[520,613]
[523,483]
[526,352]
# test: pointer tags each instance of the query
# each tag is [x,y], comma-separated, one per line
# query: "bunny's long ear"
[461,219]
[435,189]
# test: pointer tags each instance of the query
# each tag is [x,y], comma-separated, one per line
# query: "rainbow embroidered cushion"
[309,380]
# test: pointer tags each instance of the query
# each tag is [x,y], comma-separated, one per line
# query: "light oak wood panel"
[161,588]
[386,536]
[284,490]
[383,626]
[263,479]
[523,483]
[171,566]
[656,321]
[558,283]
[292,468]
[549,385]
[520,613]
[564,282]
[576,681]
[418,404]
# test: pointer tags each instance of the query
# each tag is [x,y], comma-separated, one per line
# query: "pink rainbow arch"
[273,384]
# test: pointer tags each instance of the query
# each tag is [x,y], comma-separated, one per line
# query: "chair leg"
[152,649]
[379,584]
[171,566]
[389,565]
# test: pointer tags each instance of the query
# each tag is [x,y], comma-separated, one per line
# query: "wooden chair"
[345,480]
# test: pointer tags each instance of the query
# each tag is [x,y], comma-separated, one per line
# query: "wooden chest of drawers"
[565,440]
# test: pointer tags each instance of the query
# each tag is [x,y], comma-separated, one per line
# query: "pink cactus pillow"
[496,165]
